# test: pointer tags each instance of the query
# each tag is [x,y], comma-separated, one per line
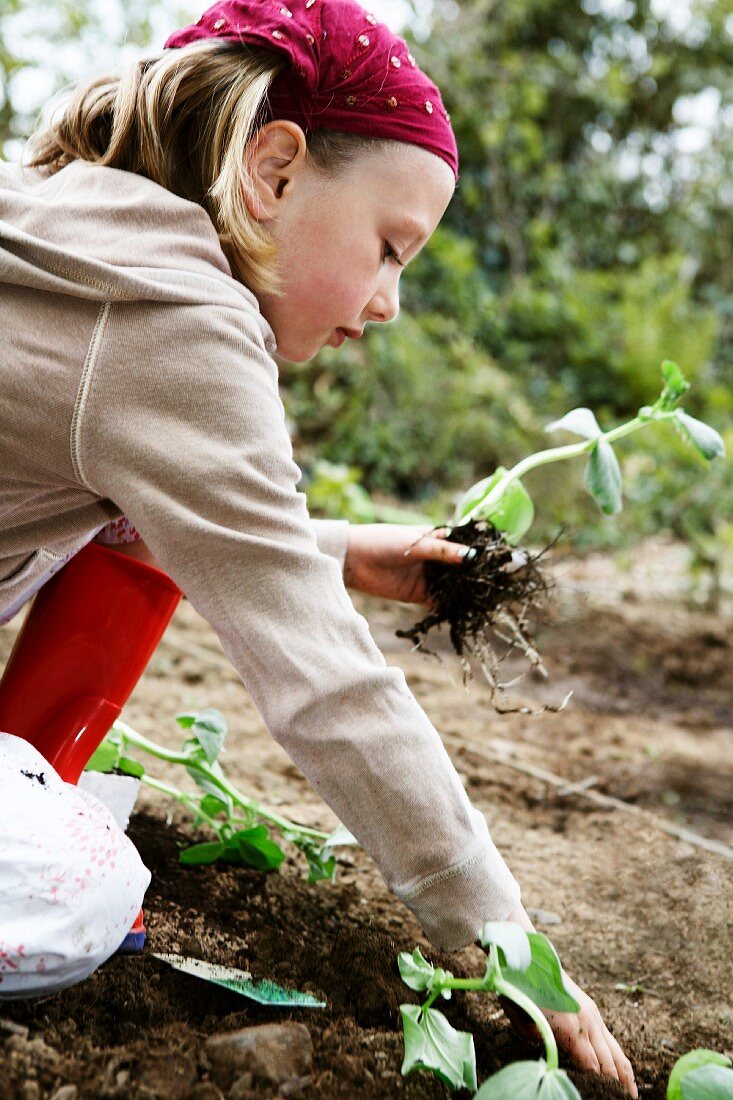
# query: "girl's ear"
[274,157]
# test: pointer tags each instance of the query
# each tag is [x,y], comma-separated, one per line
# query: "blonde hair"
[183,118]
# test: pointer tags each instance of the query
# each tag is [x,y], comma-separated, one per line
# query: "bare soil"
[641,919]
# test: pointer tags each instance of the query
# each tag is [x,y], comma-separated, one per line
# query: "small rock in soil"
[192,946]
[206,1090]
[295,1088]
[33,1052]
[271,1052]
[166,1076]
[12,1028]
[543,916]
[66,1092]
[242,1087]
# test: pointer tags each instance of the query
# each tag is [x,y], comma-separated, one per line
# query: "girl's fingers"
[623,1065]
[611,1058]
[584,1055]
[603,1053]
[436,549]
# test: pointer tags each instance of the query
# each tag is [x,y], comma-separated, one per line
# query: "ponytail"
[182,118]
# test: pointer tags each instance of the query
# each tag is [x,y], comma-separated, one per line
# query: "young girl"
[258,185]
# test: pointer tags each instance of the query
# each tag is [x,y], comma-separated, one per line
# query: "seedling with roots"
[498,589]
[520,966]
[240,824]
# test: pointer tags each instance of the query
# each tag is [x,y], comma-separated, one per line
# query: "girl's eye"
[389,253]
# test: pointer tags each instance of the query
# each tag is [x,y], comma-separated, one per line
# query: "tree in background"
[591,236]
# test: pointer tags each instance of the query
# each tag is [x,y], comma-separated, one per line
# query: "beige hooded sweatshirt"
[137,378]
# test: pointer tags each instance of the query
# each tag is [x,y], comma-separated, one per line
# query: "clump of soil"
[489,604]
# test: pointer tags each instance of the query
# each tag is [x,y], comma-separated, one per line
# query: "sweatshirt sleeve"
[179,422]
[332,536]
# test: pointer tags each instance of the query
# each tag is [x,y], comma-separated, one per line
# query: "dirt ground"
[642,919]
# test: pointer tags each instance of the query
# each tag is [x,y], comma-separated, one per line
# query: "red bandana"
[347,71]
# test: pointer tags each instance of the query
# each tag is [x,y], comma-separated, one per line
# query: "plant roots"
[488,603]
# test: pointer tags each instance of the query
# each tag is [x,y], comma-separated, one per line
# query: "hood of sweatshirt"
[102,234]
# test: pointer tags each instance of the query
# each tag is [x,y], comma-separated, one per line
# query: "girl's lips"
[338,338]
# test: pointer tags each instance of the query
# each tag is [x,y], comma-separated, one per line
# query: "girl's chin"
[296,355]
[300,352]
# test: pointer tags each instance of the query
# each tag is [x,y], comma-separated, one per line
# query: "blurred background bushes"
[590,237]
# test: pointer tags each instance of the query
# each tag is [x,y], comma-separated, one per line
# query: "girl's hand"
[582,1035]
[385,559]
[587,1041]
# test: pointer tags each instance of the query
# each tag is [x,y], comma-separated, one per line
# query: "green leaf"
[321,860]
[708,1083]
[210,730]
[415,970]
[203,778]
[512,514]
[512,940]
[264,991]
[256,848]
[528,1081]
[208,852]
[542,979]
[213,805]
[675,385]
[432,1044]
[579,421]
[699,435]
[476,494]
[321,869]
[104,758]
[185,721]
[693,1060]
[603,478]
[131,767]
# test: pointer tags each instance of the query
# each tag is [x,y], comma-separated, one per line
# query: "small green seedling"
[502,500]
[701,1075]
[240,824]
[521,966]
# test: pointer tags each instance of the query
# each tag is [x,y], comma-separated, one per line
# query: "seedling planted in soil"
[240,824]
[701,1075]
[520,966]
[497,591]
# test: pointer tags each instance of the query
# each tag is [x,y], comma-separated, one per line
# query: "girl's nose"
[385,305]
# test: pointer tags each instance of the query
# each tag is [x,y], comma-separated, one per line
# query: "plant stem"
[494,980]
[433,997]
[557,454]
[185,799]
[506,989]
[467,983]
[132,737]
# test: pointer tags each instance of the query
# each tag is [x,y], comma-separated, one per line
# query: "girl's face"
[343,242]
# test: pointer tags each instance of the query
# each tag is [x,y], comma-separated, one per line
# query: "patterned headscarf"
[346,71]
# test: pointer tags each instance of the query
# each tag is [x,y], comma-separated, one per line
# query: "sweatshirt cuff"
[454,904]
[332,536]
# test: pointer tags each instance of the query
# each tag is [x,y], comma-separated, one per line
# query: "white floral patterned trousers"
[71,882]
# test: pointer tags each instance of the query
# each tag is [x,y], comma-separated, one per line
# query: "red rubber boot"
[83,647]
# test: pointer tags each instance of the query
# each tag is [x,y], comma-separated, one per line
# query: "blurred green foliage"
[590,237]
